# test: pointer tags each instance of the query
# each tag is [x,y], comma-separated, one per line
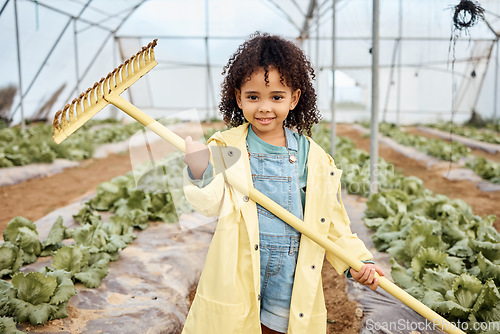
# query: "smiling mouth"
[265,120]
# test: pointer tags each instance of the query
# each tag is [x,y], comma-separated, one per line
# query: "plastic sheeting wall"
[194,33]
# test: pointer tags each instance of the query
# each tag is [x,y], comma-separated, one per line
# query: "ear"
[237,94]
[295,99]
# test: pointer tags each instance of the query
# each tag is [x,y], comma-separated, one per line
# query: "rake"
[108,90]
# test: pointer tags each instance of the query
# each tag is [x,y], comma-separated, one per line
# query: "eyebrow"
[273,92]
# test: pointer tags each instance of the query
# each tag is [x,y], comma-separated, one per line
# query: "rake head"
[85,106]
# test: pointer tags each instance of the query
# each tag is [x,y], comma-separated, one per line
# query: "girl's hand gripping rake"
[108,90]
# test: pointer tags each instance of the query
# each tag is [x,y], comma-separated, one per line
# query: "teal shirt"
[258,145]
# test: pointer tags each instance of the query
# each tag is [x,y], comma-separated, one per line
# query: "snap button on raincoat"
[227,298]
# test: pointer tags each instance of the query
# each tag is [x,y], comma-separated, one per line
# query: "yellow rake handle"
[108,90]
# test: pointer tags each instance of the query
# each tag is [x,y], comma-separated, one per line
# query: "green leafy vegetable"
[83,267]
[11,258]
[54,239]
[38,297]
[22,232]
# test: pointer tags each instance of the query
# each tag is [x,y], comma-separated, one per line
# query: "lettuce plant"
[81,265]
[22,232]
[11,258]
[37,297]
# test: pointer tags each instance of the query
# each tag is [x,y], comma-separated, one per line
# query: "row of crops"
[18,148]
[487,135]
[82,254]
[441,149]
[443,254]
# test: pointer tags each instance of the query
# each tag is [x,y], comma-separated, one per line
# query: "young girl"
[262,275]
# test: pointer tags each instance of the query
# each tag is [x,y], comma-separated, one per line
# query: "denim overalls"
[277,177]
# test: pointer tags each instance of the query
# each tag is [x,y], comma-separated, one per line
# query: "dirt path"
[35,198]
[482,203]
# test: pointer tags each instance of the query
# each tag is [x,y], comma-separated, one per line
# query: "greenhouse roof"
[55,49]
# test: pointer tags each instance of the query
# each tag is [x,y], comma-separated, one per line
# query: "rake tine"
[86,99]
[79,105]
[64,117]
[89,103]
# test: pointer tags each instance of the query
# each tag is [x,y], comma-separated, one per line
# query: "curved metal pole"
[3,7]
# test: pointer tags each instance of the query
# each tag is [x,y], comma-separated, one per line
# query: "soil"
[35,198]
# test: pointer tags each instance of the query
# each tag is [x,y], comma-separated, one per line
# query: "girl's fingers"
[372,276]
[366,275]
[374,285]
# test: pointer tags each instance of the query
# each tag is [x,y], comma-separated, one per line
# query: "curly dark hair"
[262,50]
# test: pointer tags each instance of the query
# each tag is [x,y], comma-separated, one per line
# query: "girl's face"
[266,107]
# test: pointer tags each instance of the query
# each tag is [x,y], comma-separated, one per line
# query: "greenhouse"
[106,230]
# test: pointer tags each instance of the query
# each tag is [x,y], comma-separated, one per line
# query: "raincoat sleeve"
[205,195]
[340,233]
[206,178]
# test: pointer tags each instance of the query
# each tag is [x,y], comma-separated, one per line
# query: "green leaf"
[11,258]
[428,258]
[107,194]
[465,290]
[7,325]
[91,235]
[488,269]
[490,250]
[27,240]
[456,265]
[61,311]
[437,302]
[461,249]
[488,299]
[35,314]
[386,203]
[163,208]
[86,215]
[11,232]
[55,238]
[70,258]
[92,276]
[373,223]
[113,244]
[22,232]
[7,293]
[34,288]
[403,277]
[65,287]
[440,280]
[121,226]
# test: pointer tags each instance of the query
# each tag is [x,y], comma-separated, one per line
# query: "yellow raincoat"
[227,298]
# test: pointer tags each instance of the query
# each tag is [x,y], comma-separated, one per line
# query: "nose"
[265,107]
